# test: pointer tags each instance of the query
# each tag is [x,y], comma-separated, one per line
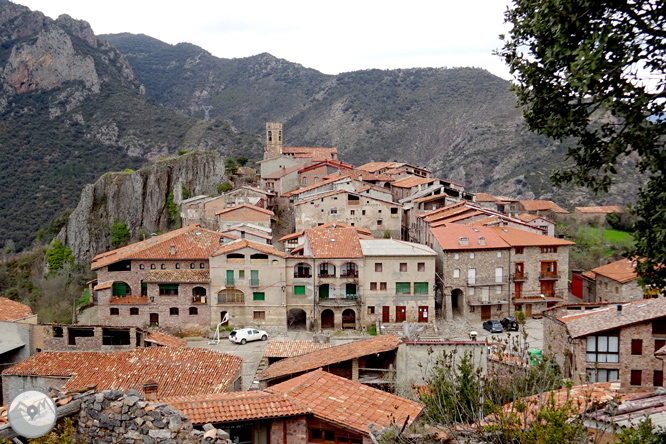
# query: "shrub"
[181,152]
[172,209]
[186,192]
[129,170]
[58,255]
[224,187]
[120,233]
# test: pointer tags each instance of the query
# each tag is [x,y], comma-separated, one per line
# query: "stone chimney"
[150,389]
[173,249]
[153,238]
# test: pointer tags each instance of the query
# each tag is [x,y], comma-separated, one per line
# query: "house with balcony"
[162,281]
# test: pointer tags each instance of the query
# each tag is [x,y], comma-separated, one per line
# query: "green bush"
[129,170]
[181,152]
[58,255]
[372,330]
[172,209]
[224,187]
[186,192]
[120,233]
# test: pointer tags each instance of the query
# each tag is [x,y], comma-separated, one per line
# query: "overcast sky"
[331,37]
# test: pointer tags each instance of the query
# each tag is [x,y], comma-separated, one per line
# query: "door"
[519,289]
[485,312]
[471,276]
[528,310]
[520,269]
[154,319]
[423,314]
[400,314]
[386,316]
[323,291]
[548,288]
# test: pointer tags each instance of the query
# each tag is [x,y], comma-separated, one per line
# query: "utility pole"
[206,110]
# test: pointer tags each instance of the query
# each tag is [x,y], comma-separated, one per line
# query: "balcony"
[302,275]
[129,300]
[548,276]
[344,300]
[486,282]
[199,299]
[520,277]
[326,275]
[349,274]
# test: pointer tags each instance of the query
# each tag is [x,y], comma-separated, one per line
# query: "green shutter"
[402,288]
[169,287]
[323,292]
[420,288]
[299,289]
[254,278]
[119,289]
[230,278]
[241,274]
[259,296]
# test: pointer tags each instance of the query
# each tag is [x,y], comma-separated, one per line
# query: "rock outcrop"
[138,199]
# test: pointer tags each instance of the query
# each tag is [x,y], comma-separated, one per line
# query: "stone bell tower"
[273,147]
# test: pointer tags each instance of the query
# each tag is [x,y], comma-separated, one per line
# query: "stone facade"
[74,338]
[610,290]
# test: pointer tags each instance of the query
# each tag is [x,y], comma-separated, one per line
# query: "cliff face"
[138,199]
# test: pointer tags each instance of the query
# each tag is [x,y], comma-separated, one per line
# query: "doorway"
[154,320]
[400,314]
[327,319]
[386,315]
[296,319]
[485,312]
[348,319]
[423,314]
[528,310]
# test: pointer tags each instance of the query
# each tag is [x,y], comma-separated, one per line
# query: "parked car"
[493,326]
[244,335]
[509,323]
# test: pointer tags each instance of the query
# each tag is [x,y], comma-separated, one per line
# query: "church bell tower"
[273,147]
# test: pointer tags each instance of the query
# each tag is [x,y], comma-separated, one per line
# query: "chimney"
[463,241]
[153,238]
[619,309]
[482,240]
[150,389]
[173,249]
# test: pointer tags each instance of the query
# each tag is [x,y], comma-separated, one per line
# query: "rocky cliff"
[139,199]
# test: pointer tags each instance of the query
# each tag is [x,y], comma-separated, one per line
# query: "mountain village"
[352,279]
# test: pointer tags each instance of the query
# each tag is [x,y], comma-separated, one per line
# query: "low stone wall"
[111,416]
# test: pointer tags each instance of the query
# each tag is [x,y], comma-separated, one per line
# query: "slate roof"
[600,210]
[245,206]
[289,349]
[329,356]
[184,276]
[542,205]
[179,371]
[191,242]
[334,243]
[165,340]
[12,310]
[245,243]
[409,182]
[621,271]
[346,403]
[237,406]
[607,318]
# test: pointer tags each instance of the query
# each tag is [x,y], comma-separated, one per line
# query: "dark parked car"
[493,326]
[509,324]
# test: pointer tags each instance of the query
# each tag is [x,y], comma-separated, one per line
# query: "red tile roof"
[321,196]
[245,243]
[328,225]
[373,167]
[179,371]
[334,243]
[165,340]
[191,242]
[239,406]
[346,403]
[448,237]
[332,163]
[317,185]
[12,310]
[317,154]
[600,210]
[521,238]
[621,271]
[542,205]
[329,356]
[289,349]
[409,182]
[183,276]
[245,206]
[484,197]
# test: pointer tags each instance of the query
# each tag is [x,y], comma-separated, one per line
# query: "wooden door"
[386,316]
[528,310]
[154,319]
[548,288]
[400,314]
[485,312]
[519,289]
[423,314]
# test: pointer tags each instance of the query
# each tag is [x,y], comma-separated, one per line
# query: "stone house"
[301,410]
[356,209]
[282,181]
[294,240]
[248,281]
[404,188]
[315,173]
[616,282]
[583,285]
[609,343]
[162,281]
[539,221]
[251,232]
[394,168]
[538,207]
[398,282]
[596,215]
[202,209]
[230,217]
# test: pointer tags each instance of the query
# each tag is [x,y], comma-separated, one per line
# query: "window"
[152,266]
[168,290]
[602,375]
[362,212]
[382,286]
[173,311]
[373,286]
[498,290]
[144,289]
[456,273]
[371,310]
[379,211]
[254,278]
[471,255]
[352,212]
[402,288]
[120,290]
[177,266]
[241,274]
[378,267]
[163,266]
[636,347]
[115,312]
[134,311]
[499,254]
[499,272]
[636,376]
[379,222]
[192,266]
[202,265]
[659,343]
[142,267]
[519,250]
[334,211]
[230,296]
[299,290]
[659,326]
[257,296]
[326,269]
[302,270]
[420,288]
[403,267]
[658,378]
[603,348]
[549,249]
[260,315]
[394,210]
[456,256]
[420,266]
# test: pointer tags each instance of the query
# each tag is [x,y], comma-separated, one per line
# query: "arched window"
[235,258]
[177,266]
[134,311]
[152,266]
[349,270]
[163,266]
[230,296]
[202,265]
[173,311]
[115,312]
[302,270]
[194,311]
[259,258]
[192,266]
[326,270]
[120,290]
[198,295]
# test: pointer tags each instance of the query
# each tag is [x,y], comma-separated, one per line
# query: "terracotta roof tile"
[317,185]
[191,242]
[359,230]
[103,285]
[244,243]
[521,238]
[484,197]
[621,271]
[347,403]
[432,197]
[165,340]
[409,182]
[184,276]
[179,371]
[542,205]
[289,349]
[590,275]
[334,243]
[332,355]
[12,310]
[600,210]
[449,236]
[245,206]
[317,154]
[332,163]
[373,167]
[321,196]
[238,406]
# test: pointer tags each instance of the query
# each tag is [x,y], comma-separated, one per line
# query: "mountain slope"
[72,109]
[462,123]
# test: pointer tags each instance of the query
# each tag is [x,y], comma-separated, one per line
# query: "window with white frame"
[603,348]
[456,273]
[602,374]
